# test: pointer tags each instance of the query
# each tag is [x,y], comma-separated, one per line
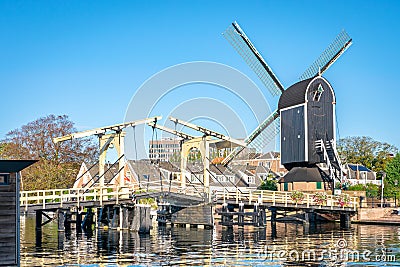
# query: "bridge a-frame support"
[117,141]
[203,145]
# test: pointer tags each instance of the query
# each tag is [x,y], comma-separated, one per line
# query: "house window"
[221,178]
[4,178]
[231,178]
[250,180]
[285,187]
[319,185]
[318,93]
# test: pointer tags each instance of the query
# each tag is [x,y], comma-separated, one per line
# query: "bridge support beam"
[67,220]
[60,220]
[309,217]
[345,221]
[38,228]
[241,214]
[78,220]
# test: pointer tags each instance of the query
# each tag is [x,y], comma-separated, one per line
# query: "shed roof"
[304,174]
[9,166]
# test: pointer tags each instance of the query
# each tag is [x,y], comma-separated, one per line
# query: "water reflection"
[222,246]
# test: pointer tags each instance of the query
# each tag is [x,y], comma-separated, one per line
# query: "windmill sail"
[329,56]
[260,137]
[238,39]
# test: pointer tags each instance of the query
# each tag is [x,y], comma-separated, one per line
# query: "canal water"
[286,244]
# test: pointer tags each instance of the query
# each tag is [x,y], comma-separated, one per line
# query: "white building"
[164,149]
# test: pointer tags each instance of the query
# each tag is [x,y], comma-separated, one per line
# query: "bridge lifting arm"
[108,135]
[208,132]
[171,131]
[103,130]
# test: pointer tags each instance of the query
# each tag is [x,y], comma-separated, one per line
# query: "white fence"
[289,199]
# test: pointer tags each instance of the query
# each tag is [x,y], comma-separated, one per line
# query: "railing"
[364,182]
[171,186]
[285,198]
[115,193]
[250,196]
[75,195]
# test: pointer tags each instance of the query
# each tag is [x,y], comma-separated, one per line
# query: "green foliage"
[176,157]
[366,151]
[371,190]
[268,185]
[392,179]
[356,187]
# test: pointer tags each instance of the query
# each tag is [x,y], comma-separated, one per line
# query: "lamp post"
[396,182]
[382,186]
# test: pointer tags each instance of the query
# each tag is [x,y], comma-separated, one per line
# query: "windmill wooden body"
[306,111]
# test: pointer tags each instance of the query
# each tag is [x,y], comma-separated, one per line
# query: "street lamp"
[395,193]
[382,186]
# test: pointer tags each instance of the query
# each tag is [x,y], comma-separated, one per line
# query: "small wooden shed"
[9,210]
[306,179]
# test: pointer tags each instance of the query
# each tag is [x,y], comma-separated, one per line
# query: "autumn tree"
[366,151]
[58,163]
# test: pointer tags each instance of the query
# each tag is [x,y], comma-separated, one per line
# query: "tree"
[268,185]
[392,179]
[371,190]
[366,151]
[58,163]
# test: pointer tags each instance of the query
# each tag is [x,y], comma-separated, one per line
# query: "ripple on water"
[201,247]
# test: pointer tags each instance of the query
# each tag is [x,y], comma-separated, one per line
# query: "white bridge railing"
[75,195]
[286,199]
[115,193]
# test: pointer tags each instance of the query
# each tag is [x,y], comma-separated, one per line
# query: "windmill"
[306,110]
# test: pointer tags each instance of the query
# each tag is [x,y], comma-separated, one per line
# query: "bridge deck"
[181,197]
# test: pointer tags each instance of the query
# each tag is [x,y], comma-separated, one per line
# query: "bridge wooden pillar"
[38,228]
[78,220]
[345,221]
[205,152]
[241,214]
[60,220]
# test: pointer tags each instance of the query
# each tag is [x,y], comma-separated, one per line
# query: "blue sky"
[86,59]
